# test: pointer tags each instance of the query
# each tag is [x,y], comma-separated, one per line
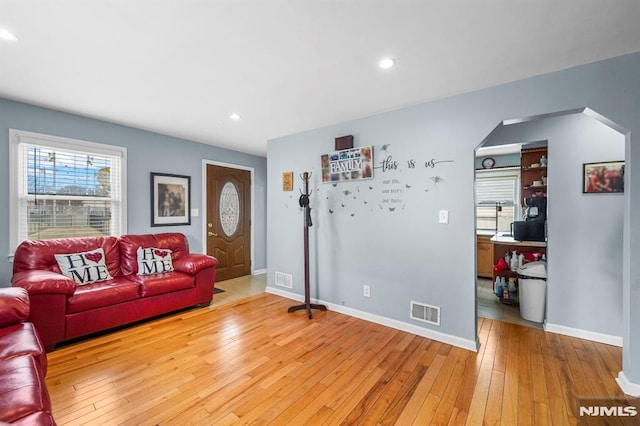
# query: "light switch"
[195,212]
[444,216]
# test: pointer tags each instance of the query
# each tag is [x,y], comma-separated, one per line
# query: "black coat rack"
[304,203]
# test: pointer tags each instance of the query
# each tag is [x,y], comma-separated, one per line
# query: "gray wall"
[585,230]
[147,152]
[406,255]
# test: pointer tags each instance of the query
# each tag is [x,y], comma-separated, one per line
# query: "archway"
[585,231]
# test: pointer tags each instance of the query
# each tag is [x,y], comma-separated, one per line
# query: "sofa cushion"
[22,339]
[129,245]
[100,294]
[84,268]
[153,260]
[22,389]
[39,254]
[151,285]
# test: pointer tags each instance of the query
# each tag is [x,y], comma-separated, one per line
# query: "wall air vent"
[425,313]
[284,280]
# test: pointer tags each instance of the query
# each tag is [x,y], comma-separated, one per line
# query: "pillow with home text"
[154,261]
[84,268]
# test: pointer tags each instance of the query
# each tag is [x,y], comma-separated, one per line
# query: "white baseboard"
[259,271]
[284,293]
[627,387]
[584,334]
[472,345]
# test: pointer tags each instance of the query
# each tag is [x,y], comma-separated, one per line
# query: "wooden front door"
[229,220]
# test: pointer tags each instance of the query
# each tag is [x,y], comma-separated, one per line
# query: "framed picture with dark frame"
[170,199]
[603,178]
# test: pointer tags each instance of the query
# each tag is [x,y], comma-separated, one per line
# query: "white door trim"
[206,163]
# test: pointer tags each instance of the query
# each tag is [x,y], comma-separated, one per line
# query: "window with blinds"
[65,188]
[497,195]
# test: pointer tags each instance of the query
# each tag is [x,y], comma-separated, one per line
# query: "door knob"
[212,234]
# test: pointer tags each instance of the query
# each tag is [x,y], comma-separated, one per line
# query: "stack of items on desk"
[512,261]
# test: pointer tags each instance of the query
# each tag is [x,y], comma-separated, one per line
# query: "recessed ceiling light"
[387,63]
[8,35]
[234,117]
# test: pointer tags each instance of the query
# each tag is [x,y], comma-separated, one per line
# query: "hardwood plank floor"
[239,288]
[248,361]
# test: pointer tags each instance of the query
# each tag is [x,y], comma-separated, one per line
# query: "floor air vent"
[284,280]
[425,313]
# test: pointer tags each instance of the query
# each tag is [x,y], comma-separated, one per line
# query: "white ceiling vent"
[425,313]
[284,280]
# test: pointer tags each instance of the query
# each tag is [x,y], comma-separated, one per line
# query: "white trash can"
[532,284]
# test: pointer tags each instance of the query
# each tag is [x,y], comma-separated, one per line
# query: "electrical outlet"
[366,291]
[444,216]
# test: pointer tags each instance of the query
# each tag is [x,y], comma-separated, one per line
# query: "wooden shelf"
[528,174]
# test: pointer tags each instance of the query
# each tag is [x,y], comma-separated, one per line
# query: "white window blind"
[491,191]
[497,195]
[65,188]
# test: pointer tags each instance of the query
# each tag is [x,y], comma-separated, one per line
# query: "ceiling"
[182,67]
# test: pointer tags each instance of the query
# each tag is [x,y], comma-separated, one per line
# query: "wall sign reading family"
[170,200]
[348,164]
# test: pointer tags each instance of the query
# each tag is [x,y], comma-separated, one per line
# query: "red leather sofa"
[62,310]
[24,399]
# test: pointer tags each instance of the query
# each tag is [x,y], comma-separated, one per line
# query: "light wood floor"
[239,288]
[250,362]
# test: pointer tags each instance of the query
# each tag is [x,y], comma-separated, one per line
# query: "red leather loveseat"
[24,399]
[68,306]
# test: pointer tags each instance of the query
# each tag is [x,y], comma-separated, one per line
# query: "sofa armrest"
[43,282]
[193,263]
[14,306]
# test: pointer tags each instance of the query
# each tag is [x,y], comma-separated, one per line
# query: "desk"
[503,244]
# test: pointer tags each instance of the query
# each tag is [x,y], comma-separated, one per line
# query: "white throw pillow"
[153,260]
[84,268]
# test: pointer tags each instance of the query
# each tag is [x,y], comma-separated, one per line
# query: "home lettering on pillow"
[154,261]
[84,268]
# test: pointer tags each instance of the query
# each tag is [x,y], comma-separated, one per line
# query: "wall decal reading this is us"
[393,188]
[389,163]
[399,184]
[391,192]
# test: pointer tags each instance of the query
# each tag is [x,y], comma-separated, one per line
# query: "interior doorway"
[499,191]
[584,231]
[228,234]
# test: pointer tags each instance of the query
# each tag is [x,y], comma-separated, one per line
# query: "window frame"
[16,168]
[511,173]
